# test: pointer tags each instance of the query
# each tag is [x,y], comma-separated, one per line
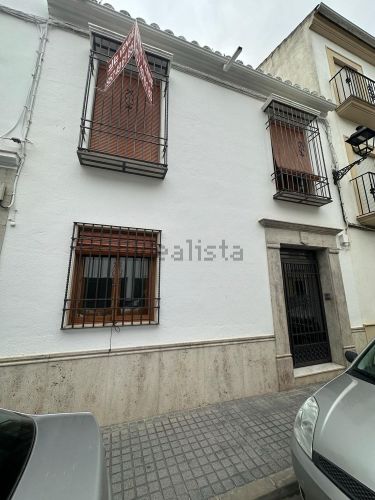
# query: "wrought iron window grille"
[299,172]
[113,277]
[120,130]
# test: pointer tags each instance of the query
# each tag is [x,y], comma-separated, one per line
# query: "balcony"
[364,188]
[301,187]
[299,169]
[355,95]
[120,129]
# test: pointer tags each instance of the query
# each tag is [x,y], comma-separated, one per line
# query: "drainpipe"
[228,64]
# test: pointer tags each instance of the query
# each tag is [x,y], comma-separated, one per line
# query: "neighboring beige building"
[331,55]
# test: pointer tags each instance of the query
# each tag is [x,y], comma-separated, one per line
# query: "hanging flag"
[142,63]
[120,59]
[131,45]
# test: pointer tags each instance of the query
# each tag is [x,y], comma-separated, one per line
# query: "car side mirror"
[350,356]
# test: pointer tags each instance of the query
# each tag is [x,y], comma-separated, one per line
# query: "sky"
[257,26]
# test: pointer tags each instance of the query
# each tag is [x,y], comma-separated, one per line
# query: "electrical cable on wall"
[26,114]
[114,329]
[348,224]
[328,132]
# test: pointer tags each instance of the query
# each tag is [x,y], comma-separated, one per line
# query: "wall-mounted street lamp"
[363,143]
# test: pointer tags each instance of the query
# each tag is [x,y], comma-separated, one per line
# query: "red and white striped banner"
[131,45]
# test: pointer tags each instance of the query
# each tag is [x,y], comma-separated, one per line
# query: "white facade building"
[339,61]
[192,311]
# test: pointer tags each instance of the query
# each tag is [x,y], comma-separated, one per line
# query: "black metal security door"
[304,306]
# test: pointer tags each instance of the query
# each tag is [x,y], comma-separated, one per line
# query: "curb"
[274,487]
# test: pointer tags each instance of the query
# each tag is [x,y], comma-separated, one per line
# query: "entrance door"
[307,328]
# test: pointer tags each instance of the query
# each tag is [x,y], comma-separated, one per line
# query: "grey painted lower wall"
[131,384]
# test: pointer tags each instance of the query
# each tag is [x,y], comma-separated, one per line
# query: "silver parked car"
[45,457]
[333,445]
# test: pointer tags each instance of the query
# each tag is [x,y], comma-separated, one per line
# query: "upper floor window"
[120,129]
[299,169]
[113,277]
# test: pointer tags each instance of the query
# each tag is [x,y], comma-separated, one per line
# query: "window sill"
[79,326]
[96,159]
[302,198]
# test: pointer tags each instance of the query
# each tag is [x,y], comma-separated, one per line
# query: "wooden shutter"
[290,148]
[124,122]
[112,242]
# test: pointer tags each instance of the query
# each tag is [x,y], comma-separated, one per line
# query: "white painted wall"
[19,43]
[362,251]
[218,186]
[34,7]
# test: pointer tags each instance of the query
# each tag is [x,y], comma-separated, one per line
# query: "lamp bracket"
[339,174]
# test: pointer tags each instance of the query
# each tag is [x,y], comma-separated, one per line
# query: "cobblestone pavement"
[204,452]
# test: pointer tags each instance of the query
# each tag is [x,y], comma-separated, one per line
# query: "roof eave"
[187,55]
[345,24]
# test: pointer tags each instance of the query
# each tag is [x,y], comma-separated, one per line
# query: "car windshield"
[17,434]
[365,366]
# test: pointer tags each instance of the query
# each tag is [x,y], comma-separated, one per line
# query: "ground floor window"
[113,277]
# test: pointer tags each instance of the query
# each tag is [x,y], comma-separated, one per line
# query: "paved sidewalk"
[204,452]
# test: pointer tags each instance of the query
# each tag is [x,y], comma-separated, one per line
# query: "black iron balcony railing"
[120,129]
[364,186]
[299,169]
[347,83]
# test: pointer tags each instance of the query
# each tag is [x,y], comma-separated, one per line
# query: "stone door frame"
[323,241]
